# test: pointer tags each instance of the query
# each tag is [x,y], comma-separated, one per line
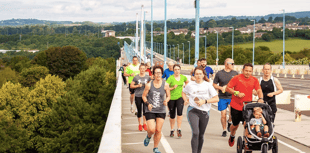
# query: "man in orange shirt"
[241,87]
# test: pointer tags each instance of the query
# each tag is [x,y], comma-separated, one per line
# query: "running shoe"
[131,108]
[140,127]
[228,126]
[231,141]
[155,150]
[224,134]
[172,133]
[144,127]
[147,140]
[179,133]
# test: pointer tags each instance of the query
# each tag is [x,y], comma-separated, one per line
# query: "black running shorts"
[236,116]
[149,116]
[132,91]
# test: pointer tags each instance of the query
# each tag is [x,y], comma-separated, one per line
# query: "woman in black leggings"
[201,94]
[138,83]
[176,103]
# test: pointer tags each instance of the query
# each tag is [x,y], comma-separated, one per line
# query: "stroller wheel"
[264,148]
[275,145]
[239,145]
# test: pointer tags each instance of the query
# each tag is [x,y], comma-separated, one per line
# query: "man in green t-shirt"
[131,71]
[176,103]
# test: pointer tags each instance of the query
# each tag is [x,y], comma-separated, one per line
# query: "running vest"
[156,97]
[271,78]
[268,87]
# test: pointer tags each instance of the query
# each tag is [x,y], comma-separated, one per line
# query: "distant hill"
[295,14]
[16,22]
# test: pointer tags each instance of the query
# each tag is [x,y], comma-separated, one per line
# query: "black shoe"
[224,134]
[172,133]
[228,126]
[179,133]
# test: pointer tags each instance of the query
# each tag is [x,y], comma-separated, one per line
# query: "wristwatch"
[236,93]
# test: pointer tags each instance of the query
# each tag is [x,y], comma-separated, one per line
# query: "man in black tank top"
[271,87]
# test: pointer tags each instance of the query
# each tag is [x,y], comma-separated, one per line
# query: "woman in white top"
[201,94]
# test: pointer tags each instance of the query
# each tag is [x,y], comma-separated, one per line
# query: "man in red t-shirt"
[241,87]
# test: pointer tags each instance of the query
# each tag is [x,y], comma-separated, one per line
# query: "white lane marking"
[278,140]
[142,132]
[131,125]
[290,146]
[135,143]
[166,144]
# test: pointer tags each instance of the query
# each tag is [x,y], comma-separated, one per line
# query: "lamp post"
[144,36]
[197,32]
[165,36]
[174,52]
[141,34]
[232,48]
[189,53]
[178,52]
[253,42]
[170,51]
[217,48]
[151,32]
[283,39]
[183,54]
[205,46]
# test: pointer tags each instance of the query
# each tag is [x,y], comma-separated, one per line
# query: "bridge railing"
[111,138]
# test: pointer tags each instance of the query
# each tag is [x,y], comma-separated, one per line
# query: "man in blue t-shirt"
[169,71]
[207,68]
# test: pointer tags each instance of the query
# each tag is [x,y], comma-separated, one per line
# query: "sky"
[125,10]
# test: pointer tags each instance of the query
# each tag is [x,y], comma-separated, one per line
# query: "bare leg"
[179,120]
[229,119]
[223,119]
[150,127]
[139,120]
[157,136]
[132,98]
[144,120]
[233,129]
[172,123]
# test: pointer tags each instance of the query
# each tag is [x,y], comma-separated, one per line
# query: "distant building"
[108,33]
[71,25]
[33,51]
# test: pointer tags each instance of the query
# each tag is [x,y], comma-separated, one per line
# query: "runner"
[208,69]
[148,70]
[169,71]
[176,82]
[138,83]
[131,71]
[122,68]
[241,86]
[222,78]
[155,114]
[192,72]
[201,94]
[271,87]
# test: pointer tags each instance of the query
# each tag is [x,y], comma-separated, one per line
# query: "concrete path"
[132,139]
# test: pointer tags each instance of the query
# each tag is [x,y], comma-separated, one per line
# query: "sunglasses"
[230,63]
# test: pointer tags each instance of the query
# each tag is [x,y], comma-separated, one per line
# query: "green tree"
[64,62]
[29,76]
[8,75]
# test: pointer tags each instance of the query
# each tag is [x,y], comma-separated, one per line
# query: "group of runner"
[154,91]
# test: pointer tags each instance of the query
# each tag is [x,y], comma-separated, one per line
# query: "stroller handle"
[246,102]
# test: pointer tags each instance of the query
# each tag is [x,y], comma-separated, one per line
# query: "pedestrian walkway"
[132,139]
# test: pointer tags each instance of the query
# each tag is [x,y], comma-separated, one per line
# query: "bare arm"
[217,87]
[146,91]
[167,89]
[214,99]
[186,82]
[279,87]
[260,95]
[133,86]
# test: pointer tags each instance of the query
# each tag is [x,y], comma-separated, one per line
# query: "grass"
[276,46]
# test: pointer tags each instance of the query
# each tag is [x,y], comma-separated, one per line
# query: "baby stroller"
[256,143]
